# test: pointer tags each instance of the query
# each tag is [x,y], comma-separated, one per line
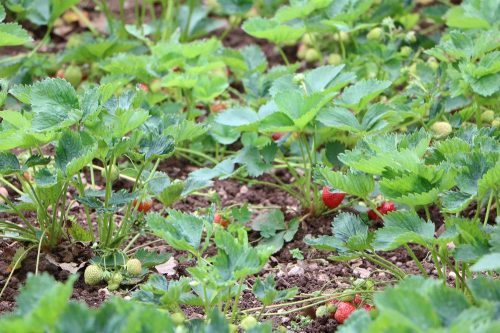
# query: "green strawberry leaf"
[55,105]
[181,231]
[360,94]
[402,228]
[12,34]
[360,185]
[74,151]
[265,291]
[273,30]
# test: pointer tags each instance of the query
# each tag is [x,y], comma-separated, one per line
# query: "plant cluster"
[382,115]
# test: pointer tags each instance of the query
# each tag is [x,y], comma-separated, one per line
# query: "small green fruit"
[348,295]
[334,59]
[93,275]
[441,129]
[433,63]
[248,322]
[113,286]
[116,278]
[405,51]
[496,122]
[301,52]
[134,267]
[178,318]
[341,36]
[73,75]
[331,308]
[488,116]
[375,34]
[307,40]
[322,311]
[114,173]
[312,55]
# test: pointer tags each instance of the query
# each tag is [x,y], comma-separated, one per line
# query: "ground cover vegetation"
[249,166]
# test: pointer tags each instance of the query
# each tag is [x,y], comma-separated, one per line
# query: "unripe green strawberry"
[114,173]
[496,122]
[73,75]
[441,129]
[113,286]
[134,266]
[341,36]
[301,52]
[405,51]
[334,59]
[488,116]
[312,55]
[307,40]
[375,34]
[248,322]
[433,63]
[322,311]
[178,318]
[330,307]
[116,278]
[93,275]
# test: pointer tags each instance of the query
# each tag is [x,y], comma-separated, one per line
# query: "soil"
[309,275]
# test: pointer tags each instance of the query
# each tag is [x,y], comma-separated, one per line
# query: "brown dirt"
[309,275]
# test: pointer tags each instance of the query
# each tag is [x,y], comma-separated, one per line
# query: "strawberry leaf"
[55,105]
[360,185]
[181,231]
[360,94]
[402,228]
[74,151]
[12,34]
[273,30]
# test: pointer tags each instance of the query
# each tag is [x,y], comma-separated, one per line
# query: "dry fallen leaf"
[168,267]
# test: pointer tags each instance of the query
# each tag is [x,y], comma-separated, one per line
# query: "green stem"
[236,301]
[427,213]
[283,55]
[436,263]
[488,207]
[197,153]
[21,257]
[415,259]
[11,186]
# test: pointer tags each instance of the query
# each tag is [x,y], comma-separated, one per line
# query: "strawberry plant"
[190,155]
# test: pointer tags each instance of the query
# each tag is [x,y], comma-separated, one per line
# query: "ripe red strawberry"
[387,207]
[368,307]
[144,206]
[332,200]
[384,208]
[277,136]
[218,219]
[357,299]
[217,107]
[143,87]
[344,310]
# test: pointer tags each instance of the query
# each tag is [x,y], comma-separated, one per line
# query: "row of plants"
[391,116]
